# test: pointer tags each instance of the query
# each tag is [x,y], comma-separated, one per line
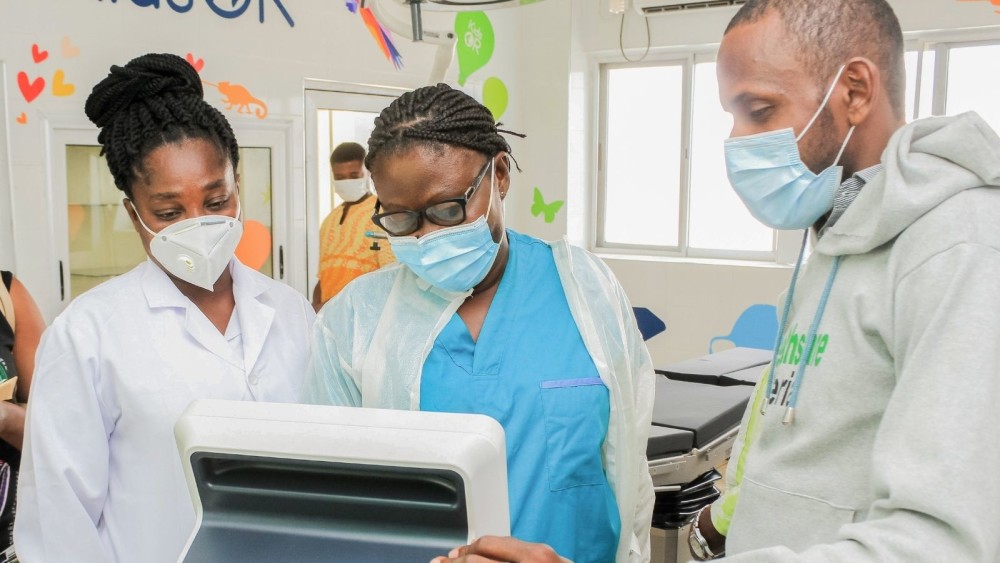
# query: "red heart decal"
[37,54]
[30,89]
[198,64]
[22,119]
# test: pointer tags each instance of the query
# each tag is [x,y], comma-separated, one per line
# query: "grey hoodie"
[891,453]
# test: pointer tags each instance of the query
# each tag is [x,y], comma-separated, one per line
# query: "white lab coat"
[101,478]
[371,341]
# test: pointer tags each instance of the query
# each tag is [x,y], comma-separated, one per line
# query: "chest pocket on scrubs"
[576,422]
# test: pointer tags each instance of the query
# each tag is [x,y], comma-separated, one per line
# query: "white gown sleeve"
[329,379]
[65,462]
[644,387]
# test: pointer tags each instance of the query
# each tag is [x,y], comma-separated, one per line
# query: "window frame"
[782,245]
[601,243]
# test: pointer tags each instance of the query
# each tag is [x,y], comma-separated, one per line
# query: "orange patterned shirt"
[344,251]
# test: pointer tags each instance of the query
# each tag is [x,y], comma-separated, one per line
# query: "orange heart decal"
[30,89]
[198,64]
[22,119]
[69,50]
[60,87]
[37,54]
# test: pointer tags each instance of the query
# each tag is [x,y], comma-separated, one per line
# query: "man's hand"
[492,549]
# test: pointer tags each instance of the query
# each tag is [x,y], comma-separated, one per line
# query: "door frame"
[329,95]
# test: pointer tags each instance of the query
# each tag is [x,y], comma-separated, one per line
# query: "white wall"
[6,197]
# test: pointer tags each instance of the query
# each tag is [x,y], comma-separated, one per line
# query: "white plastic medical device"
[284,482]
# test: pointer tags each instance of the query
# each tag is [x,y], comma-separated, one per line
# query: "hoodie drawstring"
[800,372]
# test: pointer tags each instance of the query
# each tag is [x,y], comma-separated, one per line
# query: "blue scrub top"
[531,372]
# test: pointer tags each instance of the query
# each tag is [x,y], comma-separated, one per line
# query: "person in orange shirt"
[345,251]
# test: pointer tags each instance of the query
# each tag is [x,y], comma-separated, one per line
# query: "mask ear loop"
[826,99]
[139,217]
[489,207]
[844,146]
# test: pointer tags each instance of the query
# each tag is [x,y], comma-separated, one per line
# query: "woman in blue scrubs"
[476,318]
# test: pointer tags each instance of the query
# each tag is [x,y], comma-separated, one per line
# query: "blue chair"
[649,324]
[757,327]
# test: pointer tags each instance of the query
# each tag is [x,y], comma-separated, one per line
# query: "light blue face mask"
[767,173]
[454,258]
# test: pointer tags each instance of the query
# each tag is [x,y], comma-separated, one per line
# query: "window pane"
[718,219]
[102,241]
[642,181]
[972,81]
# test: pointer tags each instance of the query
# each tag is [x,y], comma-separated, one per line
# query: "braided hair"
[153,100]
[435,116]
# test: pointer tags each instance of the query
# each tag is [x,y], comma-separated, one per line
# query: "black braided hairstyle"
[153,100]
[435,116]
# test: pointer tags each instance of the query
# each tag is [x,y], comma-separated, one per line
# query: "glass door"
[102,242]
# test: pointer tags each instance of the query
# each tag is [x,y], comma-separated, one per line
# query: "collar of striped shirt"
[848,191]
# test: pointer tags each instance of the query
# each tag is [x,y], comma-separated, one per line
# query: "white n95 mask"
[351,190]
[198,249]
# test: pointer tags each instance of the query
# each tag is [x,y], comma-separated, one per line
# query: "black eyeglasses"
[447,213]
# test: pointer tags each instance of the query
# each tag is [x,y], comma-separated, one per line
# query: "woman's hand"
[491,549]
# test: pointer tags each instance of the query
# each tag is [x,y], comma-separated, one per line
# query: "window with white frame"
[662,185]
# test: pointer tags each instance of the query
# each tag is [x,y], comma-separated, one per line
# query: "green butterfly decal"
[538,206]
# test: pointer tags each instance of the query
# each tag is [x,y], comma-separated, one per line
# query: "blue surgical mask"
[454,258]
[768,174]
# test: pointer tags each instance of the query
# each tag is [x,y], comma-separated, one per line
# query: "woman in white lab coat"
[101,479]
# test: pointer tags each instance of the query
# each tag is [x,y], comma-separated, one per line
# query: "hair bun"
[149,76]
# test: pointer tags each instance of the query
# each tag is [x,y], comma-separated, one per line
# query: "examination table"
[696,416]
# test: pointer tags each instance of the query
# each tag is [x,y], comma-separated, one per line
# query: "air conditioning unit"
[657,7]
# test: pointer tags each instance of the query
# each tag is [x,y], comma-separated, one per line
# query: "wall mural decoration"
[60,87]
[495,96]
[474,45]
[547,210]
[233,95]
[37,54]
[198,64]
[32,82]
[993,2]
[237,96]
[381,35]
[69,50]
[254,247]
[30,88]
[227,9]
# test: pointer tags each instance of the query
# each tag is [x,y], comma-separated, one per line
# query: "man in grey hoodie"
[873,439]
